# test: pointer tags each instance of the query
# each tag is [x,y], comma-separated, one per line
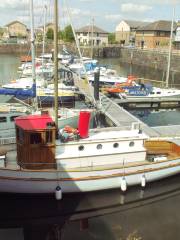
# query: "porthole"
[116,145]
[99,146]
[81,148]
[131,144]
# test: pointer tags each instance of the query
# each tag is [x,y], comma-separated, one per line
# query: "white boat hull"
[19,181]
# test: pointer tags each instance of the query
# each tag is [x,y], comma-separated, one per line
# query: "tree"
[1,31]
[61,35]
[50,34]
[68,34]
[111,38]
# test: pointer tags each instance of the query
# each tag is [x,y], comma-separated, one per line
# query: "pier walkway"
[122,118]
[156,102]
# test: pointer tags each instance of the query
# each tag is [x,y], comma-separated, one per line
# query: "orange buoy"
[115,90]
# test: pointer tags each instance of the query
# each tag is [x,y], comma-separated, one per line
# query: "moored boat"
[96,160]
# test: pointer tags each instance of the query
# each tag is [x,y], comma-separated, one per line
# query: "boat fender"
[123,184]
[58,193]
[143,181]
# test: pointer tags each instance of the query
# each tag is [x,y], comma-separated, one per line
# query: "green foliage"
[67,34]
[111,38]
[61,35]
[50,34]
[1,31]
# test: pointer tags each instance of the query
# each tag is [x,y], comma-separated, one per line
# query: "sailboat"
[82,160]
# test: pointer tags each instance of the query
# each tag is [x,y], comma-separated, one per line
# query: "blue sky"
[106,13]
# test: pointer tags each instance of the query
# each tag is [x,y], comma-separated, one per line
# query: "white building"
[126,31]
[87,33]
[177,36]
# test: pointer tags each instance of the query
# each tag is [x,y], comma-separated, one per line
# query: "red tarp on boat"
[33,122]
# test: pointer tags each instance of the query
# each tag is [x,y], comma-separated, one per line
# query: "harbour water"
[150,213]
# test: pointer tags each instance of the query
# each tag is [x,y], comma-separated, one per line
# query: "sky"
[106,13]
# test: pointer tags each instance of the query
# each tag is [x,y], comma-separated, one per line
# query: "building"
[154,35]
[177,37]
[126,31]
[87,33]
[15,30]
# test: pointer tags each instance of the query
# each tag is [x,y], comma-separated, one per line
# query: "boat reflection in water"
[104,214]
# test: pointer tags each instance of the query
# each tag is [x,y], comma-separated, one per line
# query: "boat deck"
[10,162]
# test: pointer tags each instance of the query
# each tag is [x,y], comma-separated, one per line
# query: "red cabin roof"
[33,122]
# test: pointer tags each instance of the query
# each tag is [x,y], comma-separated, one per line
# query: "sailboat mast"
[56,60]
[92,34]
[44,33]
[170,49]
[33,48]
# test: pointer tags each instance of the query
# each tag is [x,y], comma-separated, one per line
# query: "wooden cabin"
[35,137]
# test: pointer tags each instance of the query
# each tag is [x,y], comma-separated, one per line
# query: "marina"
[109,157]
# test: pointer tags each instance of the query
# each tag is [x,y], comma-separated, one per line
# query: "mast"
[44,34]
[33,49]
[92,33]
[56,60]
[170,49]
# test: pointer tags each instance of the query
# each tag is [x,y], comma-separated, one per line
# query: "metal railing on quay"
[10,140]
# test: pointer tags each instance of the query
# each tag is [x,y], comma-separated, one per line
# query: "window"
[116,145]
[3,119]
[20,135]
[12,118]
[131,144]
[99,146]
[157,43]
[35,138]
[49,137]
[81,148]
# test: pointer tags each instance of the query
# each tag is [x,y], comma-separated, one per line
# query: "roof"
[160,25]
[7,25]
[136,24]
[33,122]
[49,24]
[88,28]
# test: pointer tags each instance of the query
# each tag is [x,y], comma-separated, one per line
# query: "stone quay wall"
[154,58]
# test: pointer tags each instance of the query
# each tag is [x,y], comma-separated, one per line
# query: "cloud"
[152,2]
[113,17]
[131,7]
[87,0]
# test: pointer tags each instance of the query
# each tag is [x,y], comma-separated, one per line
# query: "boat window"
[20,135]
[3,119]
[99,146]
[35,138]
[152,93]
[116,145]
[131,144]
[158,92]
[81,148]
[12,118]
[49,137]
